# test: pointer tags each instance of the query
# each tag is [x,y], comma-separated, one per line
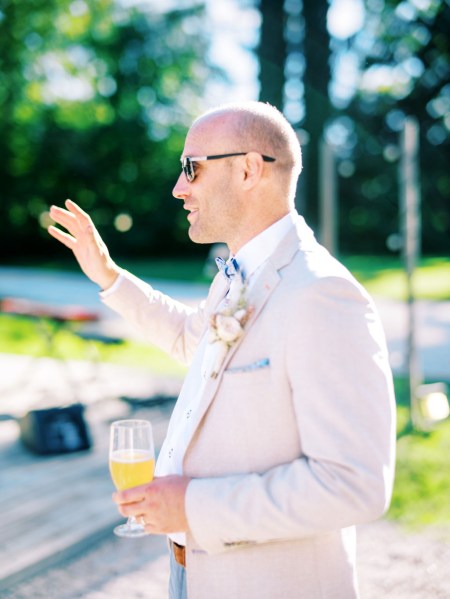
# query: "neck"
[247,233]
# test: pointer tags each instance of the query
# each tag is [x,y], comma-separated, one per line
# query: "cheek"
[221,205]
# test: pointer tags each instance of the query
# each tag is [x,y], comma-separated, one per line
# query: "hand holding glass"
[131,463]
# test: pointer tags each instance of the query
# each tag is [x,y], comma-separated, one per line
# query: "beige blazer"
[286,458]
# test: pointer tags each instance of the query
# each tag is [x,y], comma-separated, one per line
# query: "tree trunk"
[317,104]
[272,52]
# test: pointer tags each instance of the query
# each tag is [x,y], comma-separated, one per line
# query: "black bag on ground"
[55,430]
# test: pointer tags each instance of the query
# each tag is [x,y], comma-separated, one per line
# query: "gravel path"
[392,564]
[401,565]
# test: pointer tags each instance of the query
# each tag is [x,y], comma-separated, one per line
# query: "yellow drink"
[131,468]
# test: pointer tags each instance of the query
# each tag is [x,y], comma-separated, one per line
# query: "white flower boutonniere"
[227,326]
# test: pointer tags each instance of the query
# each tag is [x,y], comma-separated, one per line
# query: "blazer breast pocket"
[262,364]
[256,374]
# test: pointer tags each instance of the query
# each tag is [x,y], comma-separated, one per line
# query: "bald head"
[259,127]
[232,192]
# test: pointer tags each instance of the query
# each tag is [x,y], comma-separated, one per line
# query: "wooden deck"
[52,507]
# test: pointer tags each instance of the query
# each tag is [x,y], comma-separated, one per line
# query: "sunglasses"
[187,163]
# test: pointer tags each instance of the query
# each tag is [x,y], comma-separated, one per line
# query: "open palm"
[85,242]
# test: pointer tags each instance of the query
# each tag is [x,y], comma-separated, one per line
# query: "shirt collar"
[255,252]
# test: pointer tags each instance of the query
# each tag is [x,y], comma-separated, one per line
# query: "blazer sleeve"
[341,388]
[161,320]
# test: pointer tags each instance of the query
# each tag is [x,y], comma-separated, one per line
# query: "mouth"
[191,211]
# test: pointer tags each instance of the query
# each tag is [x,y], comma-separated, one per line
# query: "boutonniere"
[227,325]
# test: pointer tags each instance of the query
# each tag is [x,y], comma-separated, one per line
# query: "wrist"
[109,277]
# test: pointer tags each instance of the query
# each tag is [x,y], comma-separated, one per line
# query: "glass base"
[130,529]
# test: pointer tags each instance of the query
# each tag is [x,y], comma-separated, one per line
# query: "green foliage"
[402,55]
[405,48]
[95,100]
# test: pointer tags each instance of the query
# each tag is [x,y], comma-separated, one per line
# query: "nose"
[182,189]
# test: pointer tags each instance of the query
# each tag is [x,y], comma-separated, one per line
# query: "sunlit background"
[96,98]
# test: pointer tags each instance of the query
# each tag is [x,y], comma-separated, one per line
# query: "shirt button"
[188,413]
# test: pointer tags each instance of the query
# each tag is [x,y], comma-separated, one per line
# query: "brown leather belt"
[179,553]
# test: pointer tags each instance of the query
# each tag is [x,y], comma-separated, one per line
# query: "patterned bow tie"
[229,268]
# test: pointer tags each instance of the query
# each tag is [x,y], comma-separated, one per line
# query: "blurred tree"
[406,72]
[271,52]
[95,99]
[294,55]
[397,63]
[317,101]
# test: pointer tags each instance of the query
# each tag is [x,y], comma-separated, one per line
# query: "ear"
[253,170]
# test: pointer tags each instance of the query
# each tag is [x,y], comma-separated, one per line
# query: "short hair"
[263,128]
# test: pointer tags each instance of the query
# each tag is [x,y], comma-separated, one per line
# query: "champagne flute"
[131,463]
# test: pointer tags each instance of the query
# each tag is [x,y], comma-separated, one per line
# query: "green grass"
[21,335]
[384,276]
[422,482]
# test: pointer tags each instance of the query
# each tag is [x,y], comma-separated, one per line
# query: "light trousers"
[177,581]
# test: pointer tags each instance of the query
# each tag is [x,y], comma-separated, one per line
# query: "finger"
[64,238]
[57,211]
[75,209]
[127,499]
[133,495]
[76,223]
[63,218]
[128,510]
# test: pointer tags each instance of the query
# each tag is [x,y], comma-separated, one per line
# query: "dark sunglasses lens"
[188,169]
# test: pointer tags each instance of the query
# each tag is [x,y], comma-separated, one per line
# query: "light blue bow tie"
[229,269]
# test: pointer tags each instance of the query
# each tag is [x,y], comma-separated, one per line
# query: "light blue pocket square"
[264,363]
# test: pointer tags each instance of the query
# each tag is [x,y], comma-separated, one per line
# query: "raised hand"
[85,242]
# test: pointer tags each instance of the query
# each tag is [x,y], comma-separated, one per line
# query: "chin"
[195,236]
[200,237]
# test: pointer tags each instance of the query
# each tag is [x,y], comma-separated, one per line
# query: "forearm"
[291,501]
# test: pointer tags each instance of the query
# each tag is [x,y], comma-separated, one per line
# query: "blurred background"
[96,97]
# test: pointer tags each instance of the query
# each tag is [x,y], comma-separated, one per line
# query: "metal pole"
[410,218]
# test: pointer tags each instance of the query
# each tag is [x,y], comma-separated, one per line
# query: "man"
[282,438]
